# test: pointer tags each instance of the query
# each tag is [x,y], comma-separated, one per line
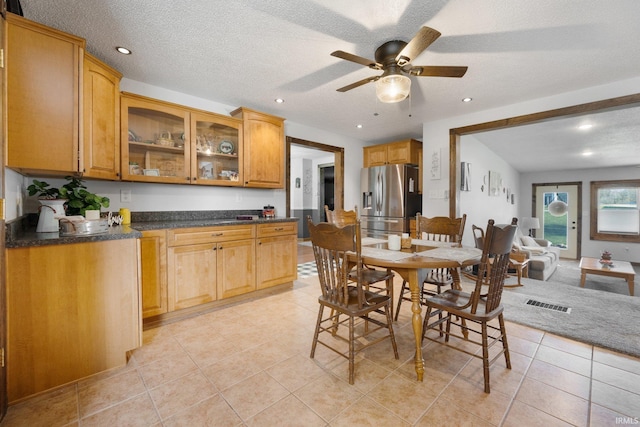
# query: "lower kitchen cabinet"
[73,310]
[207,272]
[236,268]
[192,275]
[276,254]
[184,268]
[153,266]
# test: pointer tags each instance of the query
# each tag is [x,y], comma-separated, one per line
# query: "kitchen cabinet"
[73,310]
[217,153]
[276,254]
[153,269]
[164,142]
[408,151]
[153,140]
[399,152]
[101,120]
[264,161]
[43,69]
[209,263]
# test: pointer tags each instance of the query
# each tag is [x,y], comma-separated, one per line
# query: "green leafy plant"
[79,199]
[43,190]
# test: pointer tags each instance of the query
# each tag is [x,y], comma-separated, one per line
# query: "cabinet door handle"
[214,248]
[217,234]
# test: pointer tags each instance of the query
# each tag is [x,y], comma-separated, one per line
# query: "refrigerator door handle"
[379,193]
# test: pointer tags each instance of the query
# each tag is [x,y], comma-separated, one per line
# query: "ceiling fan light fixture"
[393,88]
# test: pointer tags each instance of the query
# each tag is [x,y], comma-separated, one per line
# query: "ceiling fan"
[394,59]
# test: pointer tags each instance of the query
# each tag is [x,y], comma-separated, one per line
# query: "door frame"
[338,171]
[578,184]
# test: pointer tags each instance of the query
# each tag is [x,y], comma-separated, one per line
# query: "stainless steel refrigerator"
[389,199]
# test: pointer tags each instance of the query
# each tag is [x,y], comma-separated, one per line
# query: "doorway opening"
[315,177]
[326,184]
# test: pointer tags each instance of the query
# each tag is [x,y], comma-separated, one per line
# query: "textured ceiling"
[247,53]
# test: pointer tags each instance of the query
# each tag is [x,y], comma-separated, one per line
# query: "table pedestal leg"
[416,277]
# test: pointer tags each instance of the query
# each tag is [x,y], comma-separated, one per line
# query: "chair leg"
[352,351]
[400,298]
[485,357]
[387,311]
[390,293]
[336,322]
[505,345]
[317,332]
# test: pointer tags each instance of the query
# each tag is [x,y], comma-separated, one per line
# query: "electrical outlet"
[125,196]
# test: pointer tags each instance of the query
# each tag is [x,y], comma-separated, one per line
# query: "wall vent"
[548,306]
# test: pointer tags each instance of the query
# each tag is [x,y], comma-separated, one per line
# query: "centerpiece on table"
[605,259]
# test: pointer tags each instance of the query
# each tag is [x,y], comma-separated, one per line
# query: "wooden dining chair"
[472,312]
[332,247]
[381,281]
[436,229]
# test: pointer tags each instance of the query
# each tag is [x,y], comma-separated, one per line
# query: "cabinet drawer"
[189,236]
[277,229]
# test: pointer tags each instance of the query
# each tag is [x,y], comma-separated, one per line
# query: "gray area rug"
[602,313]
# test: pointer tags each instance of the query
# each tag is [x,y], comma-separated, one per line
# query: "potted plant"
[73,198]
[79,199]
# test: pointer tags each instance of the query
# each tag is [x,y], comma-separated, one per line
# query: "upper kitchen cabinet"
[399,152]
[263,148]
[164,142]
[216,142]
[101,120]
[43,69]
[153,139]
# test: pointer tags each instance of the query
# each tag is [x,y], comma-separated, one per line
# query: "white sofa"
[543,258]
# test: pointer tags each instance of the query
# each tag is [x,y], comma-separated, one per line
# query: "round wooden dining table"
[414,270]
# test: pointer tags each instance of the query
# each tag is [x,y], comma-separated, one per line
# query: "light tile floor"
[249,365]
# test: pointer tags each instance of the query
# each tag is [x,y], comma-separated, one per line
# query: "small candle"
[394,242]
[126,216]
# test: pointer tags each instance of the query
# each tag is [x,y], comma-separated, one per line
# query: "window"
[615,213]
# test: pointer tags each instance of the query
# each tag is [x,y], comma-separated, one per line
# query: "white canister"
[394,242]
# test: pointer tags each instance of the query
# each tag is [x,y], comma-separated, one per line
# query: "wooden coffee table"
[620,269]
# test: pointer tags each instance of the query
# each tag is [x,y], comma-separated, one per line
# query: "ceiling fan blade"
[357,59]
[418,43]
[435,71]
[358,83]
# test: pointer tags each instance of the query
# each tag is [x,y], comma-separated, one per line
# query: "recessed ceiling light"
[587,153]
[359,126]
[467,99]
[585,126]
[123,50]
[279,100]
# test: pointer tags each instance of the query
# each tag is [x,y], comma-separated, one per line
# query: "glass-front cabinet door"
[155,144]
[216,150]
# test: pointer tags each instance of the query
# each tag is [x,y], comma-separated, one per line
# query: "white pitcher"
[50,212]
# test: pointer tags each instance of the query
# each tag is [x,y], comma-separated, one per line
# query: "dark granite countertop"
[158,225]
[21,232]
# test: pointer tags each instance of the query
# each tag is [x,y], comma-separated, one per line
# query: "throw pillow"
[528,241]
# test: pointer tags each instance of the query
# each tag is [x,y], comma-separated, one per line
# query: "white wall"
[436,133]
[436,136]
[174,197]
[476,203]
[621,251]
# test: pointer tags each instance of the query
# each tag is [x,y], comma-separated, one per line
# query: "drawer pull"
[217,234]
[279,228]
